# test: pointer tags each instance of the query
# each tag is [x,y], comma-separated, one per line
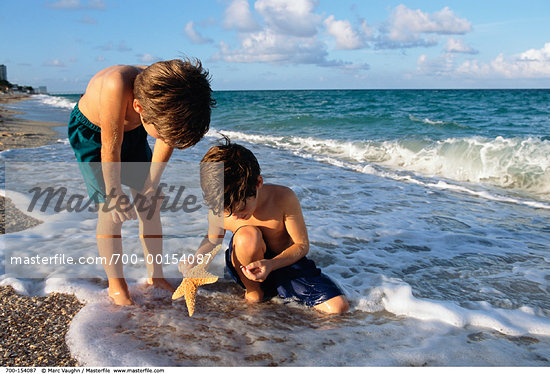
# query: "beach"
[32,329]
[22,133]
[429,208]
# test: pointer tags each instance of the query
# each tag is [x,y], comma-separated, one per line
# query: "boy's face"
[245,212]
[251,203]
[149,128]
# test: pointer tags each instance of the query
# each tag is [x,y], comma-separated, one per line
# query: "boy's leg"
[249,246]
[109,243]
[336,305]
[150,233]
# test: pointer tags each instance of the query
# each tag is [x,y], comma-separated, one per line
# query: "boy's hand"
[184,267]
[123,210]
[151,196]
[257,271]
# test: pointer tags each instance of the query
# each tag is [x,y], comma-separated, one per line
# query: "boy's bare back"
[114,85]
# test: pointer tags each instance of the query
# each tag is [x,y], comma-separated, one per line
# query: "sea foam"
[518,163]
[55,101]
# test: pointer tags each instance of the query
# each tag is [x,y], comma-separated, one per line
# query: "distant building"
[41,90]
[3,73]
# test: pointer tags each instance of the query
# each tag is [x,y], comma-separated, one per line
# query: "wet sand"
[16,132]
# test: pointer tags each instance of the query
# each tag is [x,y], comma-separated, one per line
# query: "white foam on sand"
[399,300]
[95,336]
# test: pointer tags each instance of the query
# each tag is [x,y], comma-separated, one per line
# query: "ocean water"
[431,210]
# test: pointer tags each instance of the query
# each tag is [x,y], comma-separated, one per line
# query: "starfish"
[196,276]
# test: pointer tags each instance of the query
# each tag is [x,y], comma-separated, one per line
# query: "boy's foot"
[160,283]
[121,298]
[255,296]
[118,292]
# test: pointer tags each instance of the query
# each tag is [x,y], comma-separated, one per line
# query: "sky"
[283,44]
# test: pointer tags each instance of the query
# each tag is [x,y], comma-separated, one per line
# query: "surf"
[512,163]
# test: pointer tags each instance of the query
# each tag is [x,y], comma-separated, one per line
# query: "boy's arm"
[113,100]
[161,154]
[112,110]
[215,236]
[296,228]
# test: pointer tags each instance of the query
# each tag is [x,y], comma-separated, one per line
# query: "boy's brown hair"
[177,99]
[240,176]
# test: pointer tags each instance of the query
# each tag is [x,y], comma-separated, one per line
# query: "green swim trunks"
[85,138]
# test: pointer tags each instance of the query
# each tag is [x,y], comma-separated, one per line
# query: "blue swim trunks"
[85,139]
[302,281]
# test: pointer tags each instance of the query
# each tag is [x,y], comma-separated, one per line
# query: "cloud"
[458,46]
[96,4]
[194,36]
[537,55]
[441,65]
[64,4]
[406,23]
[291,31]
[88,20]
[289,35]
[269,47]
[407,28]
[346,37]
[366,30]
[239,17]
[56,63]
[76,5]
[533,63]
[121,47]
[106,47]
[290,17]
[148,58]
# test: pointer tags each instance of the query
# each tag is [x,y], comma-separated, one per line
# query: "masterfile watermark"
[45,197]
[113,259]
[55,214]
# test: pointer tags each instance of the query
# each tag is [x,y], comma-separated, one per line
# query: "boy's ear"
[137,106]
[260,182]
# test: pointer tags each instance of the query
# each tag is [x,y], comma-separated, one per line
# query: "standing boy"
[266,255]
[169,100]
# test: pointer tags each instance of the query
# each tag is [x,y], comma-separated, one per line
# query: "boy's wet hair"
[177,99]
[240,176]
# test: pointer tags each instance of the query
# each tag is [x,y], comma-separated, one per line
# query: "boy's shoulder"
[117,75]
[279,193]
[278,189]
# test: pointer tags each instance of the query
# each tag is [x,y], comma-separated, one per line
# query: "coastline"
[32,329]
[21,133]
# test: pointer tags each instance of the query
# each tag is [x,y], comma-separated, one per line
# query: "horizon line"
[343,89]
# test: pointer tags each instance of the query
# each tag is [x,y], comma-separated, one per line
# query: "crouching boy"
[266,254]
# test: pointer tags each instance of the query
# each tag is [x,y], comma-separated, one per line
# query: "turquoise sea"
[430,208]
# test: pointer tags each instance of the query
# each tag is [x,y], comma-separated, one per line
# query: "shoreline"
[17,132]
[32,329]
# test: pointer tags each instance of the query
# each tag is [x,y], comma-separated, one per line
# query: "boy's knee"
[249,239]
[336,305]
[341,305]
